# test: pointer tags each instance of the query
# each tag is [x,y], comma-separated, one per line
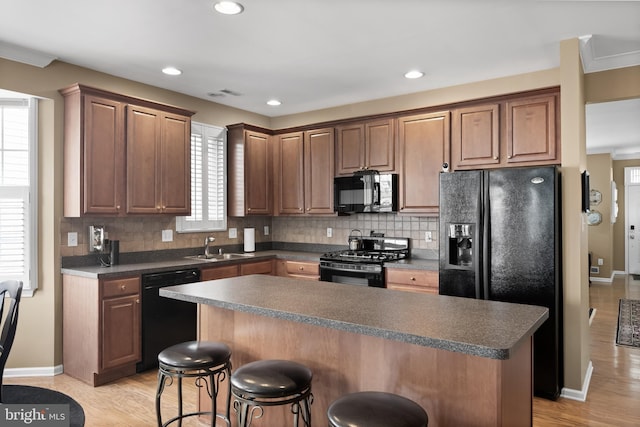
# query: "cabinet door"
[103,162]
[380,147]
[318,171]
[291,173]
[143,160]
[121,338]
[258,174]
[175,151]
[531,130]
[424,145]
[350,147]
[475,136]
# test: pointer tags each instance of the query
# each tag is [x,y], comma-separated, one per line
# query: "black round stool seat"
[272,378]
[272,383]
[208,362]
[195,355]
[376,409]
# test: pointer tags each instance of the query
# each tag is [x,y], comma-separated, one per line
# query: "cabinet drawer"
[219,272]
[260,267]
[120,287]
[412,280]
[298,268]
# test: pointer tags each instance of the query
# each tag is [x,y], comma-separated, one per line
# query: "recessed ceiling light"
[228,7]
[274,102]
[414,74]
[172,71]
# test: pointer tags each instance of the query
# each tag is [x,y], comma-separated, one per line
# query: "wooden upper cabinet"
[250,171]
[318,171]
[368,145]
[290,153]
[423,142]
[93,155]
[124,155]
[531,130]
[475,136]
[305,172]
[158,162]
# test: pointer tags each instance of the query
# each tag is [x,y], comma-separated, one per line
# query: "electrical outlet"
[428,237]
[600,261]
[595,270]
[167,235]
[266,230]
[233,233]
[329,232]
[72,238]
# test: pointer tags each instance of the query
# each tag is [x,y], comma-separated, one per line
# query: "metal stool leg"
[161,382]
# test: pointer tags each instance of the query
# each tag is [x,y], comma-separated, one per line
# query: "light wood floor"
[613,398]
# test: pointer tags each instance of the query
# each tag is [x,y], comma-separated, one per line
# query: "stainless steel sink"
[220,257]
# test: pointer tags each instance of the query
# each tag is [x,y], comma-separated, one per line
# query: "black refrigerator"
[500,240]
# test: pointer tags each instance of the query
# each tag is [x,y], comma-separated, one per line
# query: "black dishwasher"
[165,321]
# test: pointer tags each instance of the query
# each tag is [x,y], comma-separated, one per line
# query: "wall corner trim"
[579,395]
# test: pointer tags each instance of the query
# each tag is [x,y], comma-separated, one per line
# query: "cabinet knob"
[509,156]
[413,279]
[118,207]
[308,209]
[300,209]
[137,300]
[248,209]
[495,157]
[123,287]
[301,268]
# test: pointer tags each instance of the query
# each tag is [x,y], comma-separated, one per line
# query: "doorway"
[632,219]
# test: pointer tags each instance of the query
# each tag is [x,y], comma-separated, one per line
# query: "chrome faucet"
[207,241]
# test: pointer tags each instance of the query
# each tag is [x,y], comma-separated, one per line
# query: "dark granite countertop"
[476,327]
[100,272]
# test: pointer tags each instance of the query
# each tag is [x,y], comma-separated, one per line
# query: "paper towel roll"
[249,239]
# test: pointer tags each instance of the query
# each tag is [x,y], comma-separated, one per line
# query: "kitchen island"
[467,362]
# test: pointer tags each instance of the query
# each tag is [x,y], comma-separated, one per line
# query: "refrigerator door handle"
[485,269]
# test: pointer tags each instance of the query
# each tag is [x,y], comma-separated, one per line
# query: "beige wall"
[600,168]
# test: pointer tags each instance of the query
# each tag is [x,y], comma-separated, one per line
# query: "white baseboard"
[602,279]
[33,372]
[579,395]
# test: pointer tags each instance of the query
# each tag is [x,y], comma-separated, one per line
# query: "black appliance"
[363,266]
[500,240]
[366,191]
[165,321]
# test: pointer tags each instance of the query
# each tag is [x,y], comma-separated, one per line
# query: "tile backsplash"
[145,233]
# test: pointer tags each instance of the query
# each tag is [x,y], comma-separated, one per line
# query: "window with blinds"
[17,175]
[208,180]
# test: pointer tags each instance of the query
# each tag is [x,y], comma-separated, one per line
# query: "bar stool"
[207,362]
[376,409]
[271,383]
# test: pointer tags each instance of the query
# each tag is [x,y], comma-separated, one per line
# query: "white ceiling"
[314,54]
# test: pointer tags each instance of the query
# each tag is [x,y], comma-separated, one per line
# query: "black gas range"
[363,266]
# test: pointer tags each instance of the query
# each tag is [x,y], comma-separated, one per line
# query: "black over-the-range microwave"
[366,191]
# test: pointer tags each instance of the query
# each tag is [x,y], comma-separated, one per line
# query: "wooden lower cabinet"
[412,280]
[101,328]
[299,269]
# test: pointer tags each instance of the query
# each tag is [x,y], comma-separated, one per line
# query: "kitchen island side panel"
[454,388]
